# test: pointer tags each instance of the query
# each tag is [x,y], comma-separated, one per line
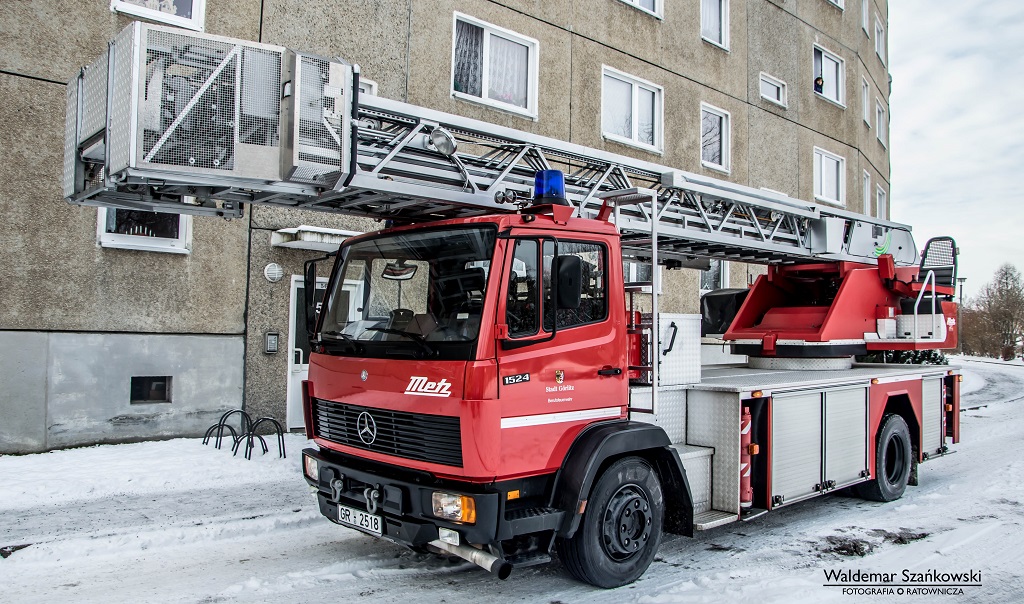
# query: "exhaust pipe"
[484,560]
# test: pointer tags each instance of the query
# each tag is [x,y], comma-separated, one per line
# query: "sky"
[957,128]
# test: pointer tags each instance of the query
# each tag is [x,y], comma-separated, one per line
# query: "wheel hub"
[627,523]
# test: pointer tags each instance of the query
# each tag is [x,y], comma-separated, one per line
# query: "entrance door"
[298,347]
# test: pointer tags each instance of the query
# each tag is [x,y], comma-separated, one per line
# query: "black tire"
[892,462]
[621,528]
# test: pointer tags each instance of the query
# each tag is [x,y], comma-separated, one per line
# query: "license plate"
[359,519]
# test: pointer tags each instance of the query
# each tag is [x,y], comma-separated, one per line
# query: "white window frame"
[659,7]
[723,283]
[630,268]
[865,17]
[659,109]
[881,198]
[180,245]
[774,81]
[881,132]
[196,22]
[818,151]
[867,193]
[490,29]
[724,44]
[367,86]
[841,85]
[879,40]
[726,165]
[840,4]
[865,99]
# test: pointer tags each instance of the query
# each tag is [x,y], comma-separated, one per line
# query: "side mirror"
[309,294]
[570,281]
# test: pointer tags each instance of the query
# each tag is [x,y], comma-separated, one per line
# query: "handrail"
[929,276]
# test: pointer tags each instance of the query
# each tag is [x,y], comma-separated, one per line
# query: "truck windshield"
[417,294]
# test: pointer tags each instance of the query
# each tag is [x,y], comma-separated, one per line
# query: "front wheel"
[892,462]
[621,527]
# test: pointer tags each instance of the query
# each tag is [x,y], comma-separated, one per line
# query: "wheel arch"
[899,404]
[601,444]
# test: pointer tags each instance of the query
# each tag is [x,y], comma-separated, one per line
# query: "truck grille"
[433,438]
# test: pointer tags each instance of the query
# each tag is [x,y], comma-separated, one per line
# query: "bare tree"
[993,323]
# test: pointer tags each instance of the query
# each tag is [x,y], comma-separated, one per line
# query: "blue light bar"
[549,187]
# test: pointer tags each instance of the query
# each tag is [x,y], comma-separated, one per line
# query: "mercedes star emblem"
[364,375]
[366,428]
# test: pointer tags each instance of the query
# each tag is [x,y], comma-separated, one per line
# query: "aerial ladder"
[179,122]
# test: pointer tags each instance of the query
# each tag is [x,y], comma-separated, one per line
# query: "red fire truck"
[493,374]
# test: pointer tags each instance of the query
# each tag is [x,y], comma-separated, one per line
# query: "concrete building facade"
[111,332]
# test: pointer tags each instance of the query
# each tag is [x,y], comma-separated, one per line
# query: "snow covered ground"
[177,521]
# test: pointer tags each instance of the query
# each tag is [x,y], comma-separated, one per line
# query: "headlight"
[311,468]
[458,508]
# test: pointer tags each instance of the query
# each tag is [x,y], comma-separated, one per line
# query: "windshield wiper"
[356,346]
[415,337]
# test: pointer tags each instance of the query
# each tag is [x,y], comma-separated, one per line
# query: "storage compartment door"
[846,417]
[931,415]
[796,447]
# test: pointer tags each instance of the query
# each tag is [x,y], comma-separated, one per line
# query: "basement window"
[146,389]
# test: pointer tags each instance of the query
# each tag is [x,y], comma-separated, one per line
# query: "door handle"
[672,342]
[297,356]
[610,371]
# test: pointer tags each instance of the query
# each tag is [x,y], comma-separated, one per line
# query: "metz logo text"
[421,386]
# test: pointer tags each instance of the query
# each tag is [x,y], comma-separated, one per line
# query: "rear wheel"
[621,527]
[893,461]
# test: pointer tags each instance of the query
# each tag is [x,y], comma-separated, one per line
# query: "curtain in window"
[469,59]
[711,20]
[711,137]
[509,71]
[617,111]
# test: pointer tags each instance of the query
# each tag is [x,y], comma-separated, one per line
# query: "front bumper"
[402,499]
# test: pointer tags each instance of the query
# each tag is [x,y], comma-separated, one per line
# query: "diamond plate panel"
[931,415]
[671,415]
[70,148]
[682,363]
[713,420]
[697,463]
[94,99]
[119,130]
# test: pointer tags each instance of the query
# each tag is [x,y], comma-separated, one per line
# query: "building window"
[838,3]
[865,99]
[880,122]
[630,110]
[714,138]
[182,13]
[867,193]
[879,40]
[829,75]
[148,231]
[655,7]
[829,177]
[638,273]
[494,66]
[716,277]
[881,204]
[144,389]
[773,89]
[865,10]
[714,22]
